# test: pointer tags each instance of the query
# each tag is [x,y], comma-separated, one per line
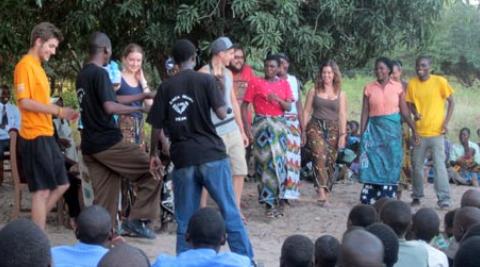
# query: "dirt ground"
[302,217]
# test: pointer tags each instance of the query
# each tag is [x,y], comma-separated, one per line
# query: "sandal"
[273,213]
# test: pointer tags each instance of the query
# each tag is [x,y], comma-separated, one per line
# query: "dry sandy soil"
[267,235]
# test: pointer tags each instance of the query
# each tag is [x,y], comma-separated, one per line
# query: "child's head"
[471,198]
[465,218]
[398,216]
[327,248]
[464,135]
[389,240]
[425,224]
[23,243]
[362,215]
[297,250]
[354,126]
[467,254]
[354,252]
[378,205]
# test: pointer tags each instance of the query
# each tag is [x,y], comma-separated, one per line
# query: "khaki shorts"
[236,152]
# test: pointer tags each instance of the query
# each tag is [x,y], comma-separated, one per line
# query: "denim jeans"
[216,177]
[437,146]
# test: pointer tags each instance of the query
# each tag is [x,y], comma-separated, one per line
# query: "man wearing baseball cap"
[229,129]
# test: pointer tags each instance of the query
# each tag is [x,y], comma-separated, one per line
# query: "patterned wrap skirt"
[381,158]
[322,140]
[132,129]
[406,173]
[269,150]
[294,143]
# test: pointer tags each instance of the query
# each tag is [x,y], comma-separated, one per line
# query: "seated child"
[327,249]
[206,234]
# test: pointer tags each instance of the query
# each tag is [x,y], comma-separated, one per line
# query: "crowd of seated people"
[462,157]
[386,234]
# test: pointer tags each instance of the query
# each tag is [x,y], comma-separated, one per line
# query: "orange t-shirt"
[383,101]
[31,82]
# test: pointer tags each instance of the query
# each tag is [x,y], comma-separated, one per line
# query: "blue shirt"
[203,258]
[126,89]
[13,119]
[78,255]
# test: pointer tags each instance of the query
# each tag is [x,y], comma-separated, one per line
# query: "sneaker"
[415,202]
[444,206]
[138,228]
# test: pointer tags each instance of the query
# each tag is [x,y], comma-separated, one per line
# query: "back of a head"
[98,42]
[397,215]
[22,244]
[390,242]
[471,198]
[378,205]
[327,249]
[182,51]
[94,225]
[124,256]
[426,224]
[467,254]
[206,228]
[472,232]
[464,219]
[297,251]
[354,252]
[362,215]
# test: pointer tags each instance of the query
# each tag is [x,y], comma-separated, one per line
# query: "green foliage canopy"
[350,31]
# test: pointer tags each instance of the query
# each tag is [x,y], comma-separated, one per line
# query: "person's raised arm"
[215,98]
[238,116]
[148,102]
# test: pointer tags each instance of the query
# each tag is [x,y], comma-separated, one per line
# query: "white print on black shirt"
[80,94]
[180,105]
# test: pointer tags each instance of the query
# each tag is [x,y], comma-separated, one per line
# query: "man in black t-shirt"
[182,109]
[107,158]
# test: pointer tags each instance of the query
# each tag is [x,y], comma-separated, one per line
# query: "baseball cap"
[220,44]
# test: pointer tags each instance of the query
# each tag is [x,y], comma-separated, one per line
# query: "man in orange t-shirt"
[41,159]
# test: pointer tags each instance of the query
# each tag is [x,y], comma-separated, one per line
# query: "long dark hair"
[337,76]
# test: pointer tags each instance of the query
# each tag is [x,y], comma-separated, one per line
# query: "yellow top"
[429,98]
[31,82]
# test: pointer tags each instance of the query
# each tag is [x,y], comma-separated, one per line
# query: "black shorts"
[43,164]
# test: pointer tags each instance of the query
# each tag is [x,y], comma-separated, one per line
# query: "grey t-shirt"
[228,124]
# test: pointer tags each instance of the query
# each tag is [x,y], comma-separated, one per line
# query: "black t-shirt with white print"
[94,88]
[182,108]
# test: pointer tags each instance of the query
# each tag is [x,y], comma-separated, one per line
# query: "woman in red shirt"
[270,97]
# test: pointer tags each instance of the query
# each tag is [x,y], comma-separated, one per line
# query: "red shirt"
[258,90]
[241,81]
